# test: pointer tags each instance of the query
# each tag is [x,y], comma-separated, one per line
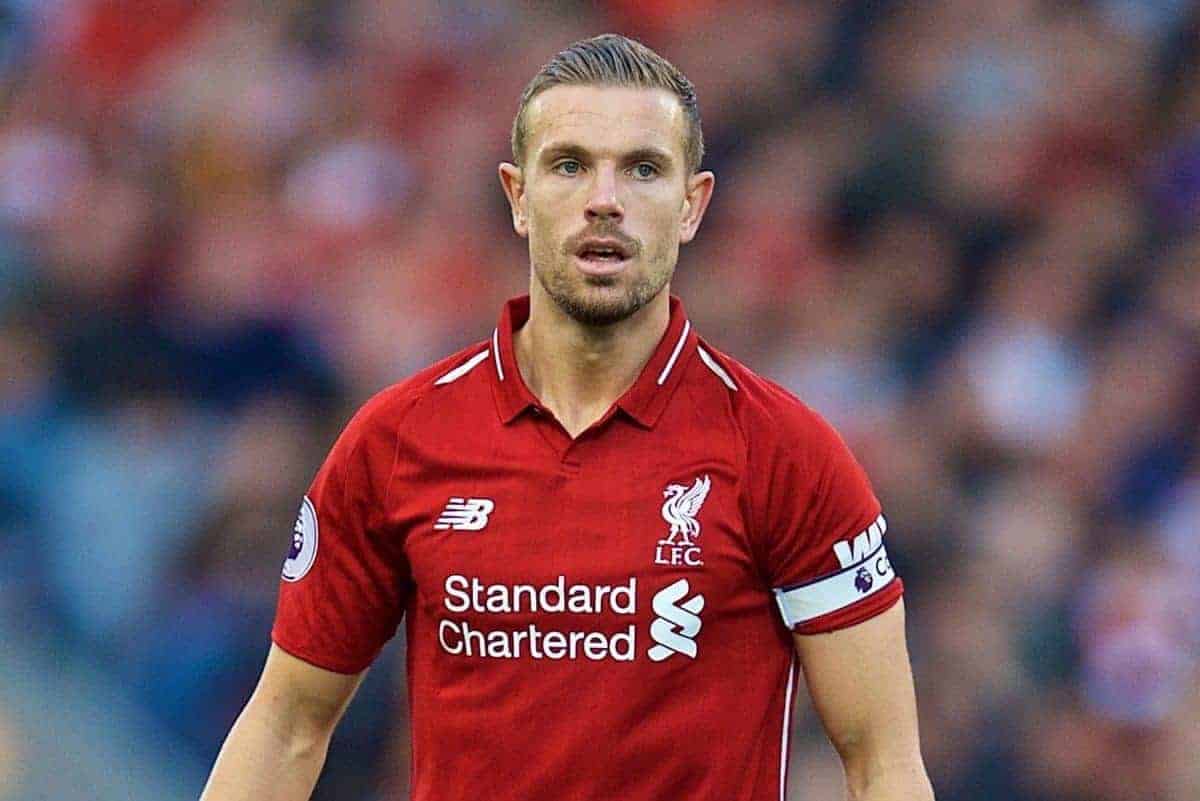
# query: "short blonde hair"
[614,60]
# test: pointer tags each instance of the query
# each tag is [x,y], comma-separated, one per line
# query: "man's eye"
[645,170]
[567,167]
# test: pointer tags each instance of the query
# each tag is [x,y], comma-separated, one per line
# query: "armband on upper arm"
[865,571]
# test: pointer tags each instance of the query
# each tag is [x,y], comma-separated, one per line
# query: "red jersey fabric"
[597,618]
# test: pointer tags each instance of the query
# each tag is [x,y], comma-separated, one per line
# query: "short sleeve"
[345,579]
[823,528]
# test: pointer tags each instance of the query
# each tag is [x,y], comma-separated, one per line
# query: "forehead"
[602,118]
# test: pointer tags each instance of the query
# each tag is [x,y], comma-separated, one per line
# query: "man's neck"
[578,371]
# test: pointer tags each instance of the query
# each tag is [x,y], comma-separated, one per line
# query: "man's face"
[605,197]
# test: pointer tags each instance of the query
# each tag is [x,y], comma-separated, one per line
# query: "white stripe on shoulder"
[463,369]
[662,377]
[716,368]
[496,352]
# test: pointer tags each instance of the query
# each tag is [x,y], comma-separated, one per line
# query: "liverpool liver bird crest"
[680,510]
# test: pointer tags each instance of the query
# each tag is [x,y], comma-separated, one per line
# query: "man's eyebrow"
[560,149]
[649,154]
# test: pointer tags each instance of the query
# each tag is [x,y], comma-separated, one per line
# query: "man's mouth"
[601,255]
[602,252]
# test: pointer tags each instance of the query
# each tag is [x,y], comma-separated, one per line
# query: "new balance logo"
[677,624]
[465,514]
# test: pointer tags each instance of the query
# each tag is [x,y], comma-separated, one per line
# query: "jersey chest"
[521,523]
[583,545]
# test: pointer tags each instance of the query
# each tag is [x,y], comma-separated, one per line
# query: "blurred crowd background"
[966,232]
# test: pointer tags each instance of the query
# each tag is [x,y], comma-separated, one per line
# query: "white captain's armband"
[865,571]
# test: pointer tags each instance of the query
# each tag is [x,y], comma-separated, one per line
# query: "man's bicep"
[861,686]
[301,698]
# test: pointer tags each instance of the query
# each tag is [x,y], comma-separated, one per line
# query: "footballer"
[615,549]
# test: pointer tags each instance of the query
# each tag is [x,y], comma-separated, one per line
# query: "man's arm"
[276,748]
[861,685]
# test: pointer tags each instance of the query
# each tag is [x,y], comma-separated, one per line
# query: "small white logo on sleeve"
[677,624]
[303,552]
[851,553]
[465,514]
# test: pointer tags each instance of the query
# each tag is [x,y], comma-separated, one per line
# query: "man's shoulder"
[768,414]
[755,399]
[388,408]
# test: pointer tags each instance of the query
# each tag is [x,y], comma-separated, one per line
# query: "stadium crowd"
[967,233]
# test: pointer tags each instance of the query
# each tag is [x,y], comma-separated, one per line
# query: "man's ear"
[513,181]
[695,203]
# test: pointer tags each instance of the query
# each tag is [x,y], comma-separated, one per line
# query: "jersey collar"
[644,401]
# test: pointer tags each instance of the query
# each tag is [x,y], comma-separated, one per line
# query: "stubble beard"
[574,295]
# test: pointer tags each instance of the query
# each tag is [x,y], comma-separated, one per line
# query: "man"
[612,546]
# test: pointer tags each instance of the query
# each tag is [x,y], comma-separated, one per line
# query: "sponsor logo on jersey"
[677,624]
[465,514]
[538,640]
[493,621]
[865,548]
[863,545]
[303,552]
[679,511]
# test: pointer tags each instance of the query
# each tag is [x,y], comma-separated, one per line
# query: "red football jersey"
[597,618]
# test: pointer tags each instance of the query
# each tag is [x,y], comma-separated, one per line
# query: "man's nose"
[603,202]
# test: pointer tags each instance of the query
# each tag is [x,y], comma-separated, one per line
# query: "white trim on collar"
[662,377]
[496,352]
